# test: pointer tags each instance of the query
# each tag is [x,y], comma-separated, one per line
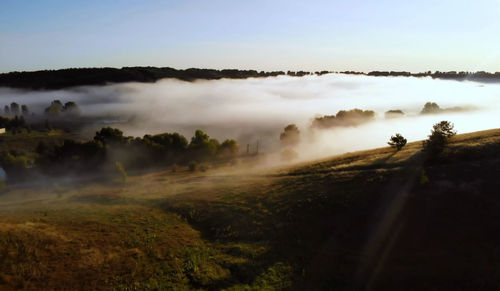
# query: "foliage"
[430,108]
[397,141]
[228,149]
[109,135]
[352,117]
[439,136]
[202,147]
[25,110]
[57,109]
[13,124]
[57,79]
[71,108]
[97,156]
[395,113]
[290,136]
[54,109]
[14,108]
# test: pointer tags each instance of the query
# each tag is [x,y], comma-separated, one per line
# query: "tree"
[71,108]
[109,135]
[439,136]
[290,136]
[14,108]
[6,110]
[228,149]
[54,109]
[430,108]
[201,146]
[397,141]
[25,110]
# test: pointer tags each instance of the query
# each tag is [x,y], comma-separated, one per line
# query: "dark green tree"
[439,136]
[109,135]
[201,146]
[397,141]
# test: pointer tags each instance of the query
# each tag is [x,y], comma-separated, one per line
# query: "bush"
[397,141]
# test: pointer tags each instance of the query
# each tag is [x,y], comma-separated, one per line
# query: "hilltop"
[376,219]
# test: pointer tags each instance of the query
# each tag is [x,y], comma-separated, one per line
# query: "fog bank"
[254,110]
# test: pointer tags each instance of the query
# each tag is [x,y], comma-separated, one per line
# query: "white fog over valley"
[257,109]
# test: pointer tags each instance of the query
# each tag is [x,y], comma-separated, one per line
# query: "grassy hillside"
[375,219]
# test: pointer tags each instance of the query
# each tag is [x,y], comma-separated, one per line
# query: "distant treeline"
[58,79]
[64,78]
[480,76]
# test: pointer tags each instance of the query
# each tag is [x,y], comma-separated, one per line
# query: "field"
[376,219]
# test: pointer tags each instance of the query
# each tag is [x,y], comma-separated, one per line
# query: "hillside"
[376,219]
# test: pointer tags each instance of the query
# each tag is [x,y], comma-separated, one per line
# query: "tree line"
[58,79]
[110,149]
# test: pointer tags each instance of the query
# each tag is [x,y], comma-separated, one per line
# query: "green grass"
[376,218]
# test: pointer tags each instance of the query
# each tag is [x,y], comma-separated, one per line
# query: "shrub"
[397,141]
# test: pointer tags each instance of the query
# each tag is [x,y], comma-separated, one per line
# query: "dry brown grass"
[227,227]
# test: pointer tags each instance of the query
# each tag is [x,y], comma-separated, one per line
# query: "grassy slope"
[378,218]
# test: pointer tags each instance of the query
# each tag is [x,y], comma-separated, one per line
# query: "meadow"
[372,219]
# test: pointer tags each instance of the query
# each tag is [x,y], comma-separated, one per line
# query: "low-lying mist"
[257,109]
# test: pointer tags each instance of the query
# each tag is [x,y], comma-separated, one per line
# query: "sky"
[361,35]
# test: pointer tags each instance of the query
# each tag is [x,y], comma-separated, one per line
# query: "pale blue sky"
[265,35]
